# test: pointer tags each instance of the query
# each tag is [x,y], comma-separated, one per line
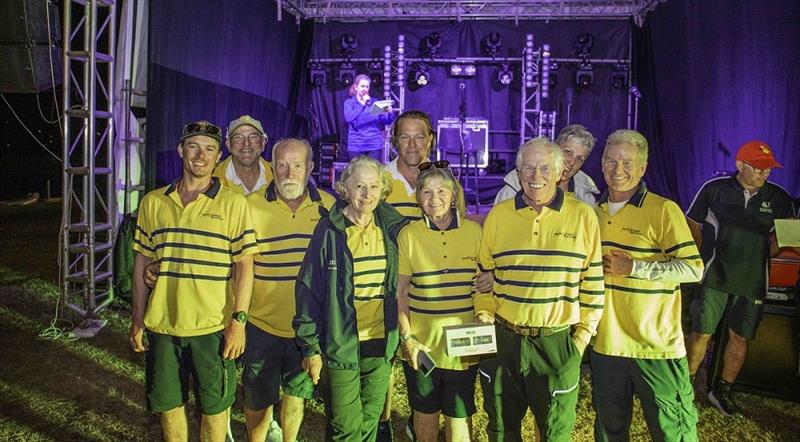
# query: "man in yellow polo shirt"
[648,251]
[285,214]
[544,250]
[200,233]
[245,169]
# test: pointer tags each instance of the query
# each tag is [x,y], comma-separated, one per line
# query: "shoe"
[410,430]
[385,433]
[722,398]
[274,433]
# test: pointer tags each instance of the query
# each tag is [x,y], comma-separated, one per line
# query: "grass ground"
[93,390]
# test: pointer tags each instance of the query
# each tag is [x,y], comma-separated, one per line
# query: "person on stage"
[365,130]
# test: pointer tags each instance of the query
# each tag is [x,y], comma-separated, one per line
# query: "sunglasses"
[202,128]
[440,164]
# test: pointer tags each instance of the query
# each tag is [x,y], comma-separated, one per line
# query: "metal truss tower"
[88,211]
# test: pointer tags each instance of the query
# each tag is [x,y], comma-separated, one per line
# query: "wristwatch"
[240,316]
[404,338]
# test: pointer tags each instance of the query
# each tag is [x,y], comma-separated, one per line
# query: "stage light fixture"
[375,69]
[420,75]
[463,70]
[583,44]
[545,70]
[346,74]
[619,78]
[505,75]
[584,76]
[318,75]
[348,43]
[431,44]
[492,43]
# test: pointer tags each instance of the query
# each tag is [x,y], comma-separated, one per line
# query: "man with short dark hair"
[245,170]
[732,220]
[201,235]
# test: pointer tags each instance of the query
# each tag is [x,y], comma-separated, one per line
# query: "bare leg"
[257,422]
[456,429]
[696,347]
[426,426]
[735,354]
[213,428]
[291,417]
[174,427]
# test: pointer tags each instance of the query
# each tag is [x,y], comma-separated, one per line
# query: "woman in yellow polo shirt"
[437,265]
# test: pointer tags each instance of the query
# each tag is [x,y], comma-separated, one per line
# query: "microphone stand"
[462,119]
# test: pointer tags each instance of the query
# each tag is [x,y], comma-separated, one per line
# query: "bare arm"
[140,295]
[410,346]
[242,291]
[697,232]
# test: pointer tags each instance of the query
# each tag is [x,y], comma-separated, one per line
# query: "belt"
[529,331]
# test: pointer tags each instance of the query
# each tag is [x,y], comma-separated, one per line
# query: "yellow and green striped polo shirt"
[548,267]
[369,271]
[197,246]
[220,171]
[283,238]
[642,318]
[442,265]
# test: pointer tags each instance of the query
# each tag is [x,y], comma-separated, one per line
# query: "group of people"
[246,259]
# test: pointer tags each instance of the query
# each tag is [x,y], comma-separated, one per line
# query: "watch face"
[240,316]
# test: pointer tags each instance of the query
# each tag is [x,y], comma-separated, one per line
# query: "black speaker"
[27,47]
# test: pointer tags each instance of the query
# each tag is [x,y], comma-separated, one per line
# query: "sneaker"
[385,433]
[722,398]
[410,430]
[274,433]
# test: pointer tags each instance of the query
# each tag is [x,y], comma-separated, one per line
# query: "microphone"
[635,92]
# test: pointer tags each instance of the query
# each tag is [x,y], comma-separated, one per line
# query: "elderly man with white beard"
[285,214]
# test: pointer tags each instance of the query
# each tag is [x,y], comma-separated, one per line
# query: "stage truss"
[371,10]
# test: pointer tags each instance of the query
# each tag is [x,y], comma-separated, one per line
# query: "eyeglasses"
[441,164]
[252,138]
[758,171]
[529,170]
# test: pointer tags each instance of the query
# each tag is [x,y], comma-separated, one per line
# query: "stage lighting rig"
[318,75]
[584,76]
[420,76]
[583,45]
[346,74]
[431,44]
[348,43]
[492,44]
[463,70]
[505,75]
[619,78]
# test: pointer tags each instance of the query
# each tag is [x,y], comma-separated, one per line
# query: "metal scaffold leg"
[89,214]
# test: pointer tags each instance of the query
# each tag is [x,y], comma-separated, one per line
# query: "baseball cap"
[757,154]
[202,127]
[245,120]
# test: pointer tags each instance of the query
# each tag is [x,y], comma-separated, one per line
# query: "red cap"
[757,154]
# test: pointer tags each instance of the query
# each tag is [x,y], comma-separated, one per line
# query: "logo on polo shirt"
[215,216]
[632,231]
[765,207]
[565,235]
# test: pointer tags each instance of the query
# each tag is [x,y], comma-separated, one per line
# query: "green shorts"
[744,314]
[172,360]
[663,388]
[272,362]
[450,391]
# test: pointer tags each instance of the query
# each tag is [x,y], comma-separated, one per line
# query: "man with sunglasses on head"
[201,235]
[245,169]
[732,222]
[577,143]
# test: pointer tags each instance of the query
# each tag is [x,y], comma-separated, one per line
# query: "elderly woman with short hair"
[434,290]
[346,302]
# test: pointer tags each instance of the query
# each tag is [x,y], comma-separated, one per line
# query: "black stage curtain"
[217,60]
[715,74]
